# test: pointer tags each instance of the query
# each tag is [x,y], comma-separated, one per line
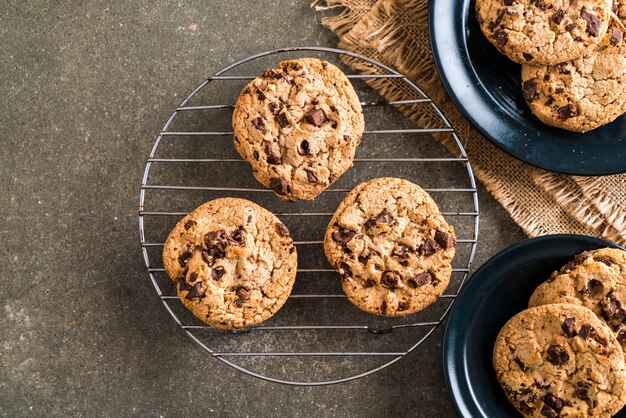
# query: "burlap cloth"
[395,32]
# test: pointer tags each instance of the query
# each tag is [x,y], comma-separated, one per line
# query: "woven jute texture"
[395,32]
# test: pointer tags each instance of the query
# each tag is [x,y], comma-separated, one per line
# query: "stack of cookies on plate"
[298,126]
[573,56]
[564,355]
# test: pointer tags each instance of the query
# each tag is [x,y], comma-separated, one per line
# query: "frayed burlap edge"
[379,28]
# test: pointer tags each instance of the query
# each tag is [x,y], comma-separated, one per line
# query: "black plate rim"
[460,394]
[456,54]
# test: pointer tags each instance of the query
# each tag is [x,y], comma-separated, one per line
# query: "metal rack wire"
[160,189]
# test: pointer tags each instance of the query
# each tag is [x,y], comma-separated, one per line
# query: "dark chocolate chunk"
[527,56]
[189,224]
[501,37]
[520,363]
[557,355]
[390,279]
[213,237]
[304,148]
[259,124]
[383,307]
[217,272]
[402,306]
[282,229]
[429,247]
[284,76]
[242,297]
[559,90]
[593,288]
[571,26]
[311,177]
[509,2]
[186,255]
[549,101]
[578,260]
[402,252]
[344,270]
[444,239]
[274,107]
[316,117]
[193,277]
[605,260]
[282,120]
[208,258]
[547,411]
[279,185]
[315,102]
[529,90]
[346,138]
[260,94]
[422,279]
[554,402]
[567,111]
[612,308]
[525,408]
[581,393]
[568,327]
[586,330]
[558,17]
[184,286]
[540,4]
[273,157]
[255,154]
[616,36]
[621,336]
[369,283]
[593,22]
[236,237]
[334,124]
[343,236]
[195,292]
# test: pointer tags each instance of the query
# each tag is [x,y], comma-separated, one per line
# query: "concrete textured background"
[85,86]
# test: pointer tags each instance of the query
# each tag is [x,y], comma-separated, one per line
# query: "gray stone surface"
[85,86]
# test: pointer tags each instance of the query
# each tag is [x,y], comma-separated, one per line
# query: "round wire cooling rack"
[318,337]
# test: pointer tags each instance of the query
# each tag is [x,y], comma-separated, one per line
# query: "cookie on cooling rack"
[594,279]
[585,93]
[392,247]
[544,32]
[298,126]
[560,360]
[234,262]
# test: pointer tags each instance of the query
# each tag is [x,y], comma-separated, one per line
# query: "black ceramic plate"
[493,295]
[485,85]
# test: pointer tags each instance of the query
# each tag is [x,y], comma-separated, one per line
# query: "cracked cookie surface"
[543,32]
[298,126]
[234,262]
[560,360]
[594,279]
[392,247]
[582,94]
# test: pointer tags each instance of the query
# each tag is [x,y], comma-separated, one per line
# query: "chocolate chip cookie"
[233,261]
[582,94]
[298,126]
[594,279]
[560,360]
[392,247]
[544,32]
